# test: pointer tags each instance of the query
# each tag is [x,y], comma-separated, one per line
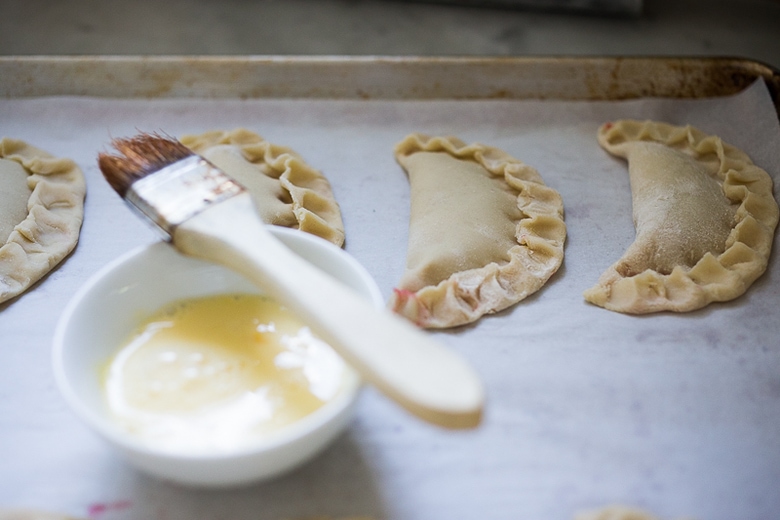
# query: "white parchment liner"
[676,413]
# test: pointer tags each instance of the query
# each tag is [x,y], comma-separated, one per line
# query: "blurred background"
[743,28]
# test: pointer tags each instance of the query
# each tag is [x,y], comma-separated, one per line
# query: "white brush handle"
[404,363]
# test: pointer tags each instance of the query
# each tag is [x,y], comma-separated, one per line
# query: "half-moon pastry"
[41,211]
[29,514]
[615,512]
[287,191]
[484,232]
[704,216]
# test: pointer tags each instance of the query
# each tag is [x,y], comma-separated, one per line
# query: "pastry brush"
[207,215]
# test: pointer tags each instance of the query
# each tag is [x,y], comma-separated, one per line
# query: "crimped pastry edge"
[313,203]
[53,223]
[466,296]
[713,278]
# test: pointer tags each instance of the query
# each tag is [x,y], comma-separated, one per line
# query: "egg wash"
[218,373]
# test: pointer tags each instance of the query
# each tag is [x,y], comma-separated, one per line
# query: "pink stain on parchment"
[98,509]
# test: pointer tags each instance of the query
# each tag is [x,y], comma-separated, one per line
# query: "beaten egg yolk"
[217,373]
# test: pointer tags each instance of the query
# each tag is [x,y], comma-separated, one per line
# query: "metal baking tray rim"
[384,77]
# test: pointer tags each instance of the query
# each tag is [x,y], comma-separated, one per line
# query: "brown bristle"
[138,157]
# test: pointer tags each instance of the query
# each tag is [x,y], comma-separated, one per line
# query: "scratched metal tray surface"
[678,415]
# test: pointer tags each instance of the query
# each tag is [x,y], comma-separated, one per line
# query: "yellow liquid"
[218,373]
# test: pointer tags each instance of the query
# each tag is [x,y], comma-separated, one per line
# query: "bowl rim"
[294,432]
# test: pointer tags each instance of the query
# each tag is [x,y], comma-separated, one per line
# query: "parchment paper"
[677,414]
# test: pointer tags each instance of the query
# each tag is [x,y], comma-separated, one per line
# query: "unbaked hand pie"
[41,211]
[30,514]
[704,215]
[484,232]
[615,512]
[287,191]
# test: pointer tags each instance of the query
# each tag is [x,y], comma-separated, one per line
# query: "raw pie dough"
[24,514]
[286,191]
[704,215]
[41,211]
[484,232]
[615,512]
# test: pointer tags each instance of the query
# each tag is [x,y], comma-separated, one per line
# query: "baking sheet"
[679,415]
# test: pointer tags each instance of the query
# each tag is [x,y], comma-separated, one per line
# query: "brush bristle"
[138,157]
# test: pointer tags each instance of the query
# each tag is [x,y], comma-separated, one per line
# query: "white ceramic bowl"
[111,304]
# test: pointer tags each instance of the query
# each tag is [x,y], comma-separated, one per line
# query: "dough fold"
[287,191]
[55,212]
[485,232]
[705,218]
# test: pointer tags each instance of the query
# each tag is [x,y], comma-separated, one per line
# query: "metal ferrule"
[180,191]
